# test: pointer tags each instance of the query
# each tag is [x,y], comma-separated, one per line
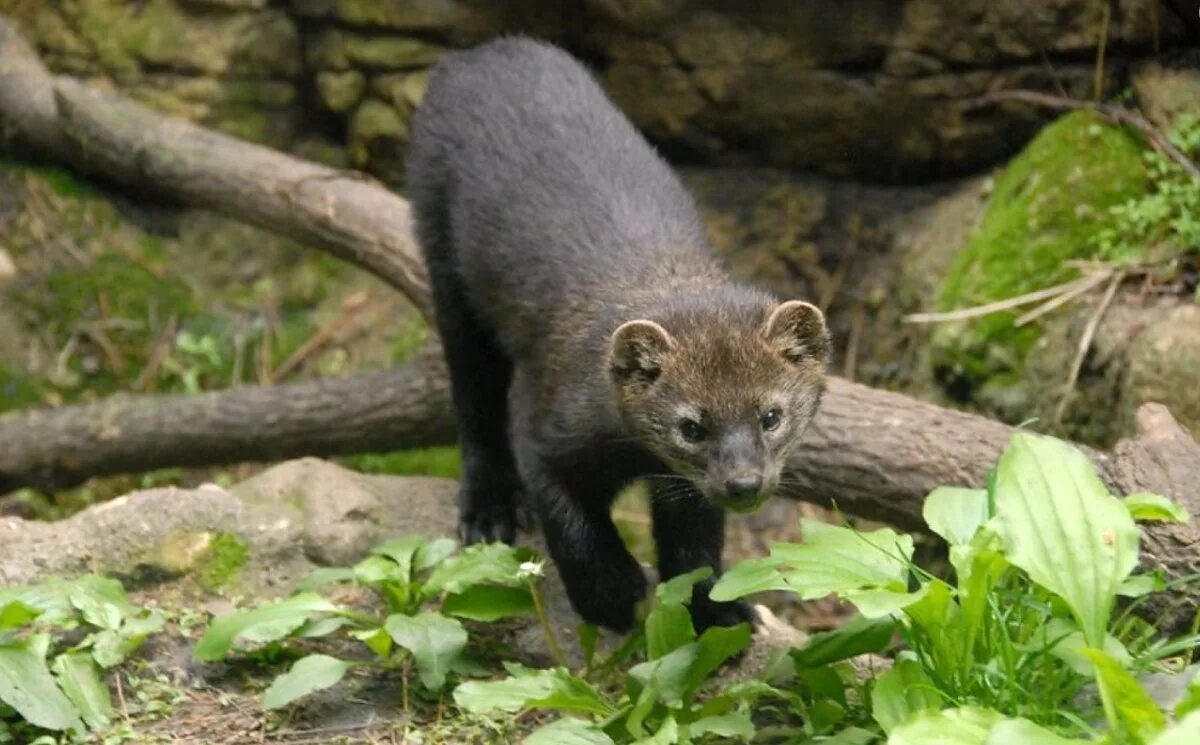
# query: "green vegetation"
[1082,190]
[1030,643]
[445,462]
[481,583]
[1003,655]
[659,700]
[51,674]
[1049,205]
[226,554]
[1164,222]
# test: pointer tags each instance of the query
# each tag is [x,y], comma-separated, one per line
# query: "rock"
[377,135]
[341,50]
[263,536]
[1166,93]
[151,535]
[1162,367]
[346,513]
[341,91]
[1047,207]
[639,15]
[405,91]
[404,15]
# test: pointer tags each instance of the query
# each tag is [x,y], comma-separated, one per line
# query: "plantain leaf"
[267,622]
[1060,525]
[315,672]
[434,641]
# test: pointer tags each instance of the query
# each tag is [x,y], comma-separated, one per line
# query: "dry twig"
[1085,341]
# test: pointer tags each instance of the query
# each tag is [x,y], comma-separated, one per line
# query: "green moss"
[18,390]
[1049,206]
[440,461]
[227,553]
[409,339]
[66,184]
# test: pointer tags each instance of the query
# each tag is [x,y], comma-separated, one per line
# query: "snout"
[743,489]
[743,493]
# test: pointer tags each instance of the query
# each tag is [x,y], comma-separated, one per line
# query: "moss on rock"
[1048,206]
[343,50]
[226,555]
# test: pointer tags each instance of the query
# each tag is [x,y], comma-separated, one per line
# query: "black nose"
[743,488]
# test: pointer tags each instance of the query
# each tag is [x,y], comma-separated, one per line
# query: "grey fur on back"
[558,205]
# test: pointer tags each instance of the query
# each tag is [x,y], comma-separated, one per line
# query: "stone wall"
[874,89]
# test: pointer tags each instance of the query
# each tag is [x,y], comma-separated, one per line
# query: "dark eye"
[691,430]
[770,420]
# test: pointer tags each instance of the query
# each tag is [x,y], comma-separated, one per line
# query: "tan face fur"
[720,405]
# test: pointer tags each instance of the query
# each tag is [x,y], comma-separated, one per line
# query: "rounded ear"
[637,351]
[797,330]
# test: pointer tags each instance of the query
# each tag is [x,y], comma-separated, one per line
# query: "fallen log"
[870,452]
[50,449]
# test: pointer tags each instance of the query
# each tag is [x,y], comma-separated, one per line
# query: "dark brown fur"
[590,331]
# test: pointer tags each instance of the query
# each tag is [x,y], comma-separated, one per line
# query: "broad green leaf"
[749,577]
[901,693]
[489,603]
[482,563]
[51,597]
[944,624]
[79,680]
[717,644]
[323,576]
[1137,585]
[319,627]
[554,689]
[568,732]
[509,694]
[851,736]
[111,648]
[824,683]
[734,724]
[401,551]
[666,679]
[883,603]
[667,734]
[377,640]
[956,514]
[434,641]
[432,553]
[965,726]
[679,589]
[668,627]
[1147,506]
[1186,732]
[375,570]
[1123,697]
[832,559]
[571,693]
[1063,639]
[1025,732]
[15,613]
[1061,526]
[267,622]
[26,686]
[315,672]
[858,636]
[101,601]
